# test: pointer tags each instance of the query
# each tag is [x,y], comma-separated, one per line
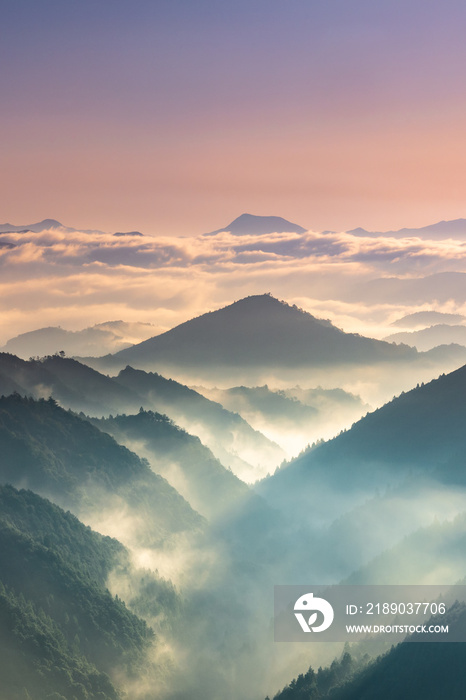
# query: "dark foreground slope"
[63,456]
[61,632]
[409,671]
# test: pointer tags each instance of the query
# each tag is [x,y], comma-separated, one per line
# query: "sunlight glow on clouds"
[62,277]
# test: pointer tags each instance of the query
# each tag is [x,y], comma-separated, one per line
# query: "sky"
[173,117]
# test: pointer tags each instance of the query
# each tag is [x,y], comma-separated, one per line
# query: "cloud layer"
[74,278]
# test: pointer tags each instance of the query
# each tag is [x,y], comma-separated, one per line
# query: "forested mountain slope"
[61,455]
[61,630]
[420,432]
[180,457]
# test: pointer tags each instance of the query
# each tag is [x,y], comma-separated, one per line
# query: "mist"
[205,548]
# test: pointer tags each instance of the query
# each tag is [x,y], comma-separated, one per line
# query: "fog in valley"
[219,493]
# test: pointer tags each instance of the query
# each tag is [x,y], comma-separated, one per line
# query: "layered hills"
[83,389]
[420,431]
[100,339]
[455,228]
[182,458]
[141,469]
[59,454]
[429,338]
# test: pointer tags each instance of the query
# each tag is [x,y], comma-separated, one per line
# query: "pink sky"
[173,118]
[174,121]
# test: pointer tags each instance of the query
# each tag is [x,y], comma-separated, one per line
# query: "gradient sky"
[174,117]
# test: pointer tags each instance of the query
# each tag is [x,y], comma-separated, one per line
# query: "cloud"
[63,276]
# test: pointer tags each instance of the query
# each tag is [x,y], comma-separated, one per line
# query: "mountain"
[292,417]
[181,458]
[54,528]
[446,356]
[413,671]
[428,338]
[321,684]
[326,399]
[61,632]
[271,406]
[44,225]
[63,456]
[443,229]
[409,671]
[232,440]
[249,224]
[421,319]
[83,389]
[100,339]
[258,331]
[418,433]
[73,384]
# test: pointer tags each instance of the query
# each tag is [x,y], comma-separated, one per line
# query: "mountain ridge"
[37,227]
[44,225]
[269,329]
[419,432]
[251,224]
[440,230]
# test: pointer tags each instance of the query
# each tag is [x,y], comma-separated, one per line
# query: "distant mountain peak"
[440,230]
[259,225]
[43,225]
[49,223]
[428,318]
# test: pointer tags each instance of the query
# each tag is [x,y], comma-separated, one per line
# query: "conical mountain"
[259,331]
[249,224]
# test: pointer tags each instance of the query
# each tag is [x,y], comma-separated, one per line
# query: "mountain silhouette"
[181,458]
[249,224]
[432,337]
[408,671]
[44,225]
[443,229]
[83,389]
[422,319]
[259,331]
[73,384]
[229,436]
[59,454]
[100,339]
